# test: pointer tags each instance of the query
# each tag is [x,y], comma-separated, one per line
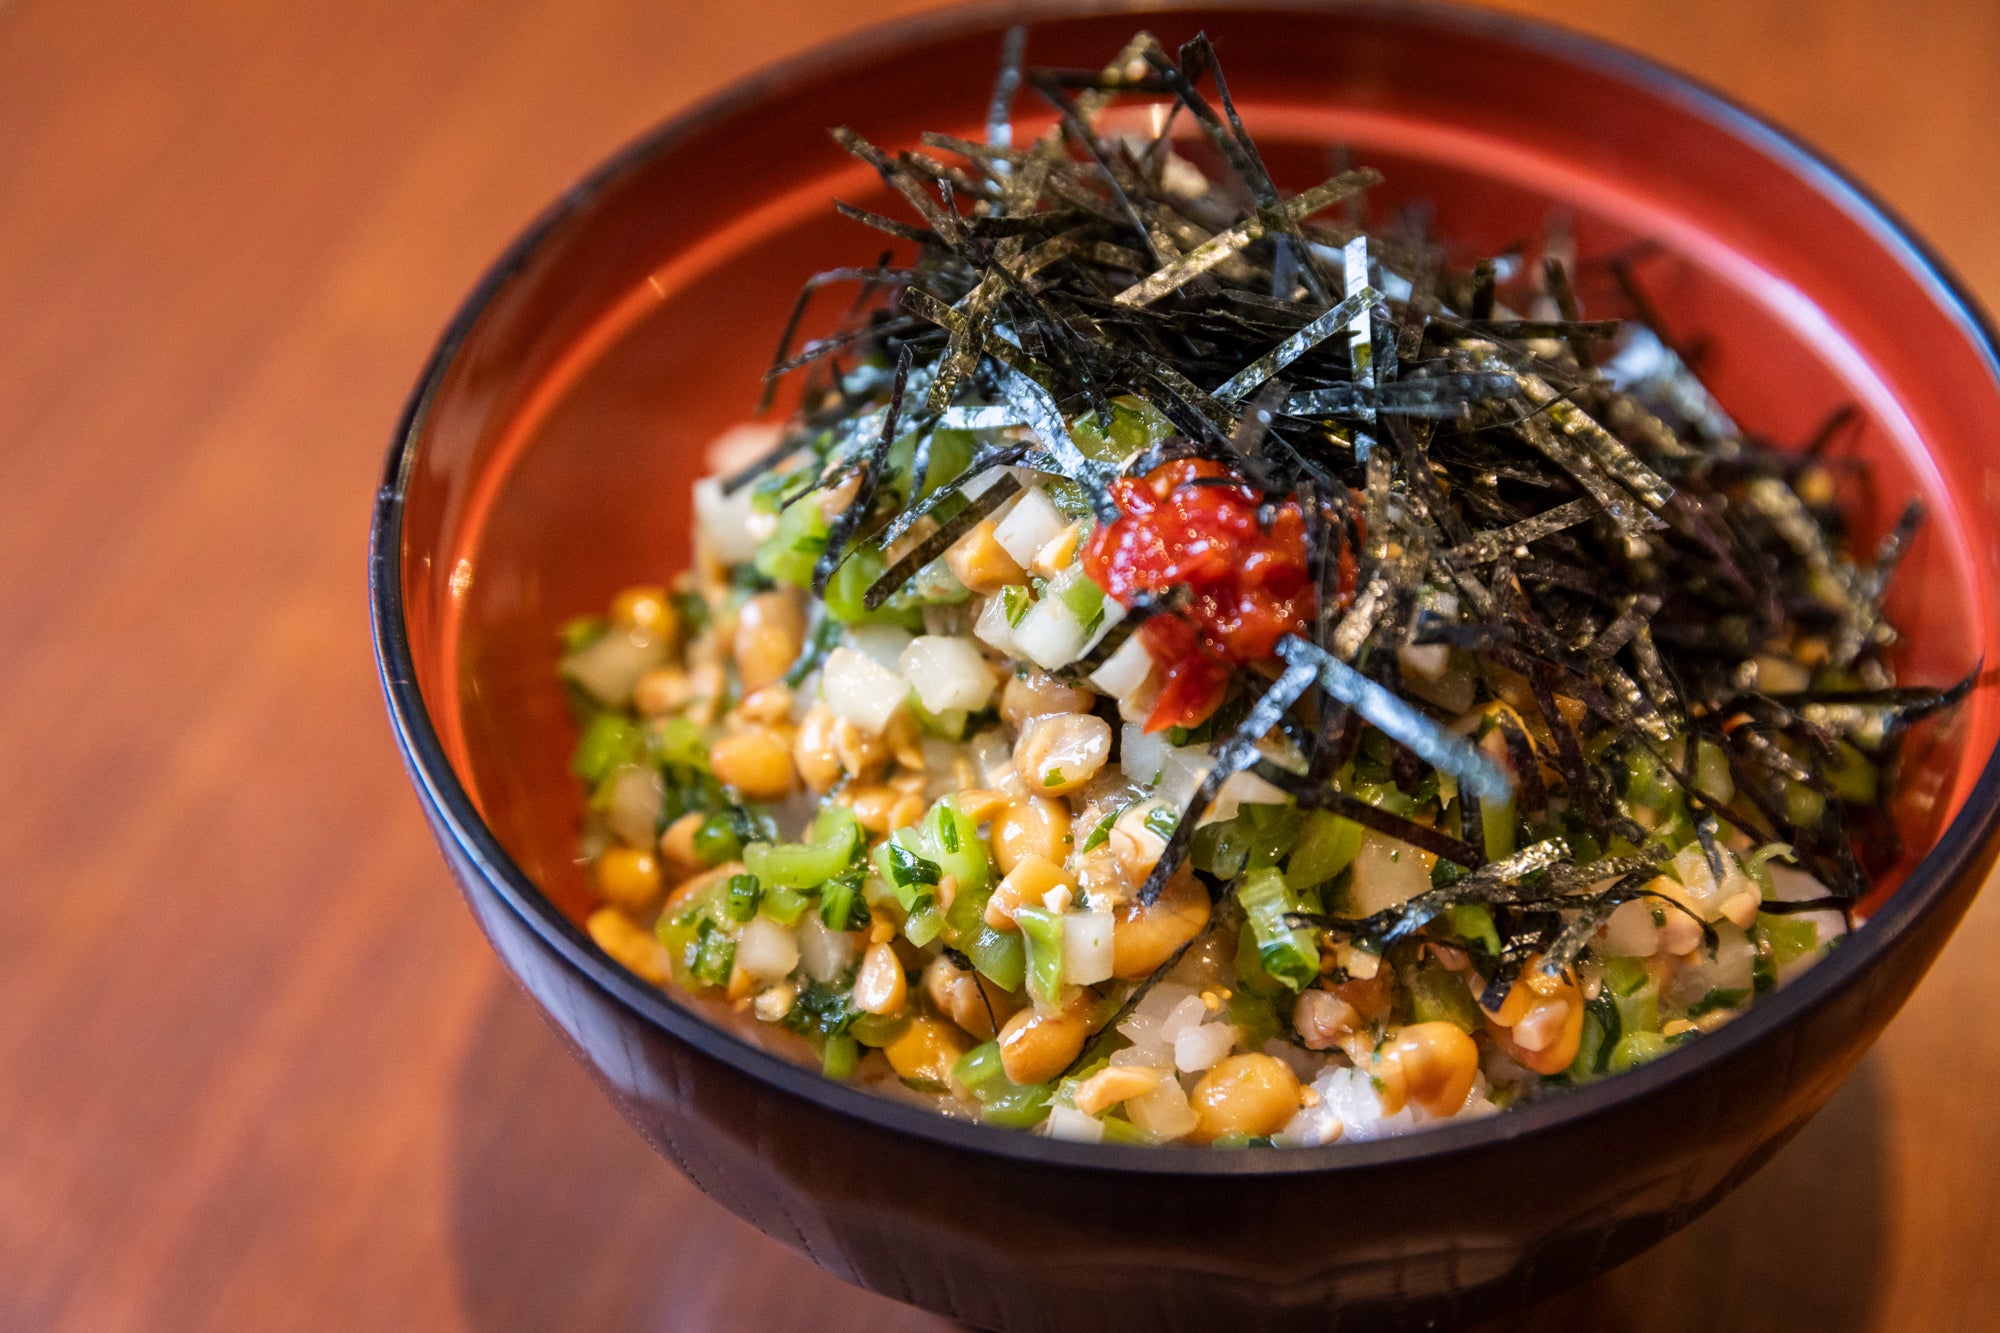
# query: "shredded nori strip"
[1559,503]
[940,541]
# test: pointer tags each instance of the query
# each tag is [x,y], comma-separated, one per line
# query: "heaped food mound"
[1196,669]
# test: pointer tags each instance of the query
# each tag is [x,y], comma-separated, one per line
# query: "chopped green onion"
[677,740]
[836,838]
[714,955]
[1326,845]
[1473,923]
[1440,996]
[1013,1105]
[580,633]
[1015,602]
[838,1056]
[999,955]
[745,893]
[1074,589]
[610,741]
[906,867]
[784,904]
[1042,933]
[841,905]
[1288,953]
[1102,833]
[1719,998]
[1636,1048]
[789,553]
[716,842]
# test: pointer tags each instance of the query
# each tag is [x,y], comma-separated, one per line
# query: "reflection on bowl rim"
[1956,850]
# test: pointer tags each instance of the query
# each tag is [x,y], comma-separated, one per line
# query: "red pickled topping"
[1250,584]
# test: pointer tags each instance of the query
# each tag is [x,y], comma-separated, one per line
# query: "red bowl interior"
[559,445]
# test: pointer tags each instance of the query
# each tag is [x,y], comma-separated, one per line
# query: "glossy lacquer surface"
[546,460]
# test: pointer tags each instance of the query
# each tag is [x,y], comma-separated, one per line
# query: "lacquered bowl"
[545,459]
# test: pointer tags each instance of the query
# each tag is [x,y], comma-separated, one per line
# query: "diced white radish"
[1313,1127]
[1791,885]
[1142,756]
[1029,526]
[1425,661]
[1730,969]
[1691,868]
[1126,671]
[884,643]
[992,756]
[861,690]
[1182,774]
[1142,1026]
[766,950]
[825,953]
[1188,1013]
[1050,635]
[1242,789]
[1157,1056]
[1347,1094]
[633,809]
[1631,932]
[609,668]
[1066,1122]
[1387,873]
[947,672]
[1164,1112]
[1086,956]
[725,521]
[741,445]
[992,627]
[1198,1048]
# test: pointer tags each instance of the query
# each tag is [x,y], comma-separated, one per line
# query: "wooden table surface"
[257,1067]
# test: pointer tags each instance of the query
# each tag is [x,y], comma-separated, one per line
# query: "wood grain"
[259,1069]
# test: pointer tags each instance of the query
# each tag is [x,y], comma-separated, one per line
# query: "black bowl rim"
[1958,849]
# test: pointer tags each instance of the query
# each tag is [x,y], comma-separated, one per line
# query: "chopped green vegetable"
[1015,601]
[745,893]
[715,841]
[836,840]
[788,555]
[1473,923]
[1287,952]
[841,905]
[1004,1103]
[1042,933]
[580,633]
[609,742]
[1440,996]
[1326,845]
[714,954]
[1636,1048]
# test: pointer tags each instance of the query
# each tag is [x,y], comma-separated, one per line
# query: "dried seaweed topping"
[1553,588]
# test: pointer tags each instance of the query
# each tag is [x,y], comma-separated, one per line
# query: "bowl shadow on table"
[562,1217]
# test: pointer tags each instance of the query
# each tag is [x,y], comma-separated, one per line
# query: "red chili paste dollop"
[1251,585]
